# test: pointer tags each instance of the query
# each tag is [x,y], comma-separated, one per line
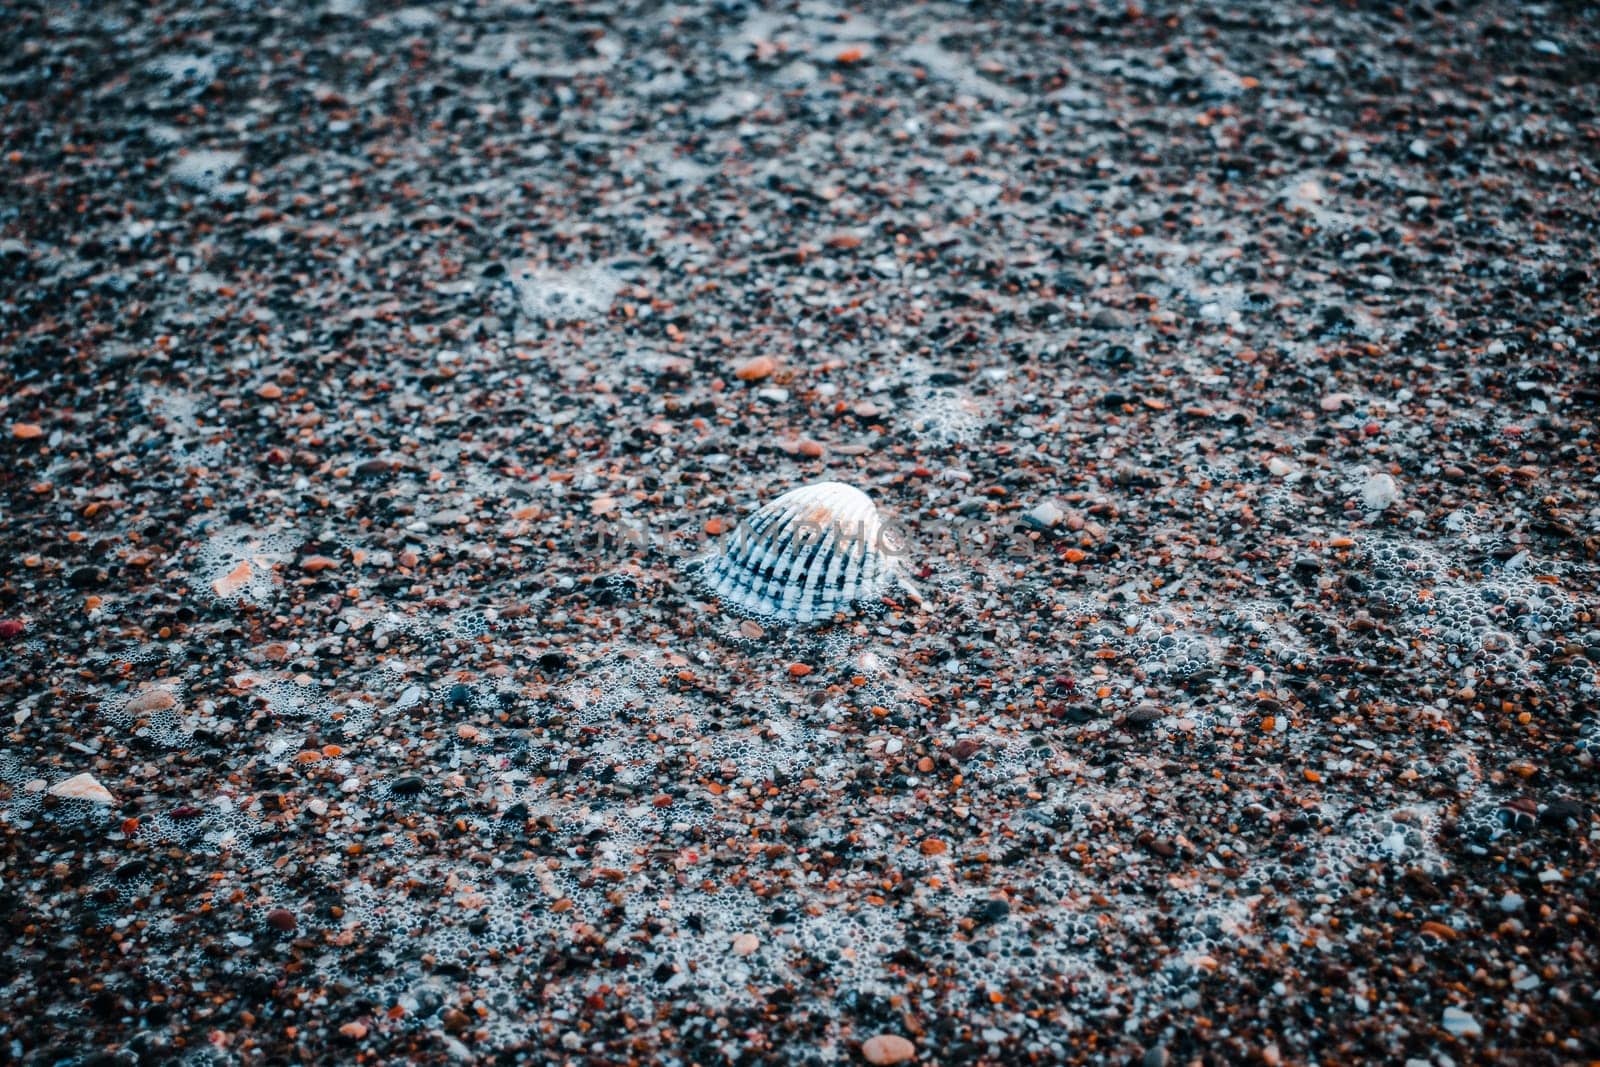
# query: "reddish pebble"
[753,370]
[888,1049]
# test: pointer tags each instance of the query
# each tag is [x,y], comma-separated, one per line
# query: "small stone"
[1279,467]
[1561,812]
[150,700]
[810,448]
[746,944]
[270,391]
[10,628]
[1380,492]
[1045,515]
[281,920]
[753,370]
[1144,715]
[1460,1024]
[1334,401]
[888,1049]
[231,583]
[83,787]
[318,564]
[356,1031]
[26,431]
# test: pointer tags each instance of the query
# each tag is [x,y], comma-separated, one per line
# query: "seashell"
[813,552]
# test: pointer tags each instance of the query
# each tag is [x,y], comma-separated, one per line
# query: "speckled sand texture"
[371,376]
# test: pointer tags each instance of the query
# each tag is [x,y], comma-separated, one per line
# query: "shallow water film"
[378,382]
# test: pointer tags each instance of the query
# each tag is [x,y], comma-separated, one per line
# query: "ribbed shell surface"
[807,555]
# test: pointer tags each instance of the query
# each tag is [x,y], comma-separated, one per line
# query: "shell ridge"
[804,556]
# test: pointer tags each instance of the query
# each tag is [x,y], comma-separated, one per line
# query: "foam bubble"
[204,170]
[563,296]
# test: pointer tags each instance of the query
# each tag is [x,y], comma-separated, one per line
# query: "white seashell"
[813,552]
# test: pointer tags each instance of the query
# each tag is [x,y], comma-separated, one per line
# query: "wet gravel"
[370,374]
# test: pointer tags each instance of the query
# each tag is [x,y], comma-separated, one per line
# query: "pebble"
[1144,715]
[755,369]
[230,584]
[151,700]
[83,787]
[887,1049]
[1460,1024]
[1045,515]
[1380,492]
[745,944]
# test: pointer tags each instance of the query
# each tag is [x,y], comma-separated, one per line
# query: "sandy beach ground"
[1227,373]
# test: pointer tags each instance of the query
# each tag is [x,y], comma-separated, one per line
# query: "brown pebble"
[281,920]
[233,581]
[83,787]
[888,1049]
[753,370]
[150,700]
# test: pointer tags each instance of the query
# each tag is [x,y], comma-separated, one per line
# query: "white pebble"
[1460,1023]
[1380,492]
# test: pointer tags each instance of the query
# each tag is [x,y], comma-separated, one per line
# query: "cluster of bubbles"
[238,563]
[205,170]
[945,417]
[1498,620]
[584,293]
[159,721]
[1169,644]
